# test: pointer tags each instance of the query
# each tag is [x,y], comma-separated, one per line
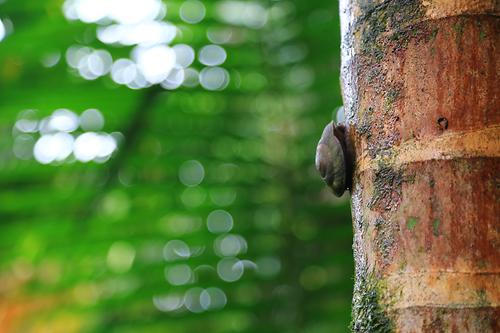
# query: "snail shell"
[331,158]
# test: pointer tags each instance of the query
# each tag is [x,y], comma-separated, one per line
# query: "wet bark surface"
[421,94]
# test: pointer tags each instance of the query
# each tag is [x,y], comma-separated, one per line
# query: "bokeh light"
[176,250]
[91,146]
[246,13]
[155,62]
[121,11]
[191,173]
[219,35]
[192,11]
[184,55]
[212,55]
[192,300]
[91,120]
[57,138]
[230,245]
[90,64]
[144,34]
[168,303]
[152,61]
[219,221]
[213,299]
[230,269]
[214,78]
[191,78]
[62,120]
[2,31]
[53,147]
[120,257]
[179,275]
[223,196]
[51,59]
[268,266]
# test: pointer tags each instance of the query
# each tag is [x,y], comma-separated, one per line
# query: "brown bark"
[421,94]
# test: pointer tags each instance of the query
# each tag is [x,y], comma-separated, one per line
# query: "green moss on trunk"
[368,313]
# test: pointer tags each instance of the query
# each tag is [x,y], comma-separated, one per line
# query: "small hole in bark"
[443,123]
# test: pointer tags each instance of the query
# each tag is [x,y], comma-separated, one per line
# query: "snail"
[333,158]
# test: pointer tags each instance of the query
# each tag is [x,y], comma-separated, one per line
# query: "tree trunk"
[421,94]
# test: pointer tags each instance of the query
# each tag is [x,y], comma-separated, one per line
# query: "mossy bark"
[421,94]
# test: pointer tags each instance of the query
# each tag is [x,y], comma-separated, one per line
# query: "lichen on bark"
[397,18]
[368,312]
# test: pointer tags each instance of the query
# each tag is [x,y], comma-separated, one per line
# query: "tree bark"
[421,94]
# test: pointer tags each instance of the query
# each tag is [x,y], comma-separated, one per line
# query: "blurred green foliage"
[84,246]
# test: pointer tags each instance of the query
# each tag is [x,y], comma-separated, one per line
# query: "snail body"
[333,159]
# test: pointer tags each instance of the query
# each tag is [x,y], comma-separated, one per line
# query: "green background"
[256,141]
